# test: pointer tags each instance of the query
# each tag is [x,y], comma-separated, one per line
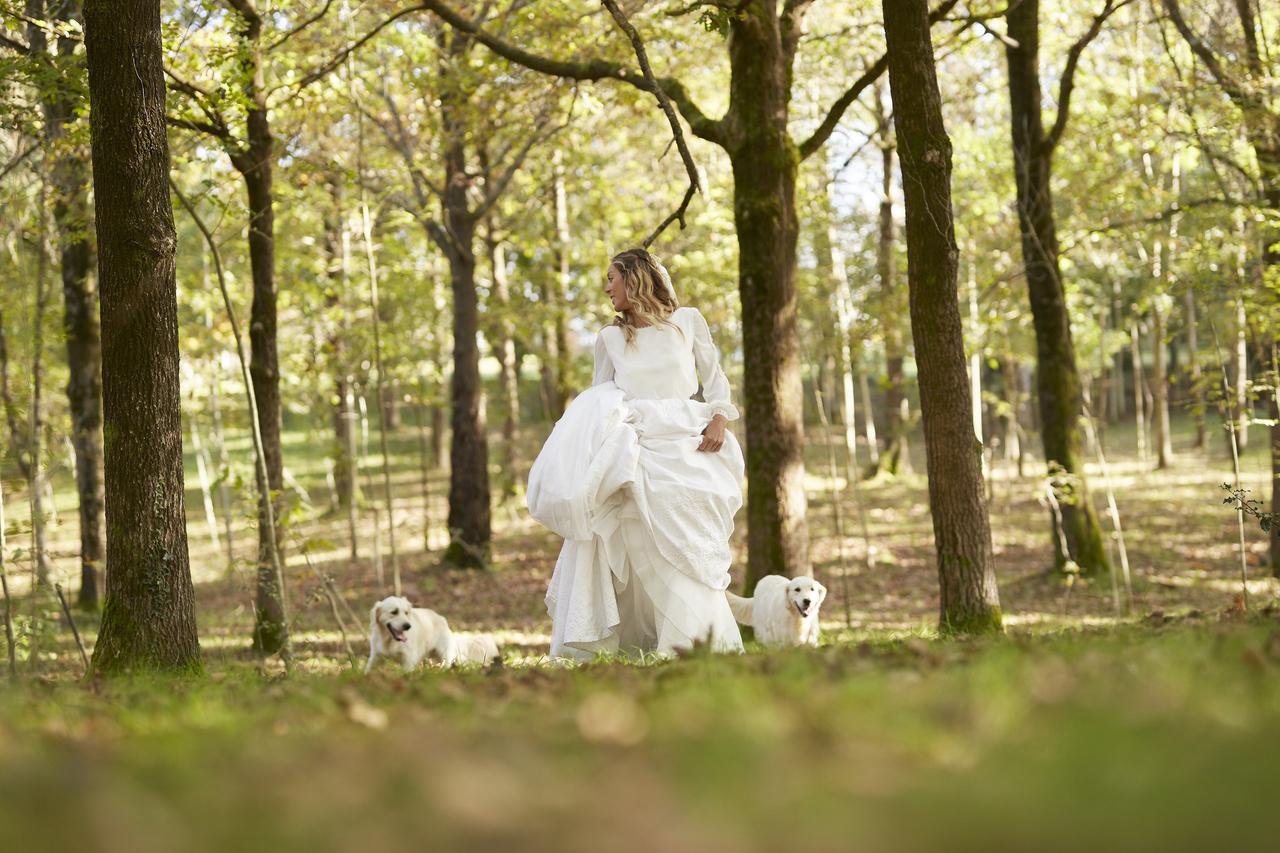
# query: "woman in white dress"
[643,481]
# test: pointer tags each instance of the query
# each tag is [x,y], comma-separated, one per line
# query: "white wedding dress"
[645,515]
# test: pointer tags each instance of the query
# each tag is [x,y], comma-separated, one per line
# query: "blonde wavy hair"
[647,295]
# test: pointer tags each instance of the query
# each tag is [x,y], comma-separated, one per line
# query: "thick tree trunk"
[765,160]
[961,529]
[469,499]
[149,618]
[469,495]
[1058,380]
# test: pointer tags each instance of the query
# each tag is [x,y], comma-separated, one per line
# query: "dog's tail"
[741,607]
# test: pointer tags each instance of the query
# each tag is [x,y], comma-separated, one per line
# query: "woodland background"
[410,224]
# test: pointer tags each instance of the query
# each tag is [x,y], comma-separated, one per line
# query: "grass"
[1151,737]
[1084,728]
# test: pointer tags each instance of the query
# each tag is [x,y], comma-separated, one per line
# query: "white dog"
[783,612]
[409,634]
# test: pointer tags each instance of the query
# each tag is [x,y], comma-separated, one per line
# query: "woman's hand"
[713,435]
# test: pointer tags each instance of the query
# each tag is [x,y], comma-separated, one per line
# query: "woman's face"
[616,290]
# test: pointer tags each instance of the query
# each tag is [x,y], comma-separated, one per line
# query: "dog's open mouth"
[396,634]
[802,610]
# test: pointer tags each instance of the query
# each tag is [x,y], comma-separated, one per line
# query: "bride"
[643,481]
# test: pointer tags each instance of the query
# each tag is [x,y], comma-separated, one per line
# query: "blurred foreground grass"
[1157,736]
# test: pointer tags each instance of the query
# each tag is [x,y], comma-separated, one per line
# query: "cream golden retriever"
[410,635]
[782,612]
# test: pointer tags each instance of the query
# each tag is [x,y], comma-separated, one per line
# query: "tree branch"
[1244,9]
[819,137]
[1229,84]
[663,101]
[1170,212]
[1067,84]
[591,70]
[302,25]
[17,160]
[791,22]
[15,45]
[341,56]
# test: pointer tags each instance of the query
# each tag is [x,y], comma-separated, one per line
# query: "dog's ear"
[373,619]
[822,592]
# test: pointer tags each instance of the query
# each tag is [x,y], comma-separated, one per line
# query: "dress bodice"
[665,362]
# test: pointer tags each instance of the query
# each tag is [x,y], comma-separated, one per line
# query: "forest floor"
[1085,726]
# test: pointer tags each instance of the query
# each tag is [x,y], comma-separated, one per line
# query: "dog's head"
[805,595]
[391,617]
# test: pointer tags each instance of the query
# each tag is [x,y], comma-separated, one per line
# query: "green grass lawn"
[1158,736]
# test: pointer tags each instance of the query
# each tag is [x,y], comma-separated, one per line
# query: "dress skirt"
[646,518]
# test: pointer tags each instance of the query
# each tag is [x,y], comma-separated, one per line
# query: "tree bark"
[961,530]
[149,618]
[509,376]
[255,164]
[336,248]
[557,356]
[1196,380]
[469,497]
[1139,400]
[764,161]
[1160,383]
[1058,379]
[80,305]
[896,458]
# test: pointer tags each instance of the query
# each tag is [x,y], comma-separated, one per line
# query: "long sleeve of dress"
[715,385]
[604,365]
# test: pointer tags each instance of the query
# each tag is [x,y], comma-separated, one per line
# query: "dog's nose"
[805,602]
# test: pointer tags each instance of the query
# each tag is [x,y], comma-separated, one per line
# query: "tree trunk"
[961,530]
[469,509]
[224,464]
[469,496]
[337,253]
[896,458]
[255,164]
[1139,400]
[149,618]
[270,630]
[764,161]
[510,378]
[868,417]
[1240,376]
[1058,380]
[1013,402]
[557,357]
[80,317]
[1160,383]
[1196,380]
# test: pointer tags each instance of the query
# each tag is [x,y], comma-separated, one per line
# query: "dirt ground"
[1180,540]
